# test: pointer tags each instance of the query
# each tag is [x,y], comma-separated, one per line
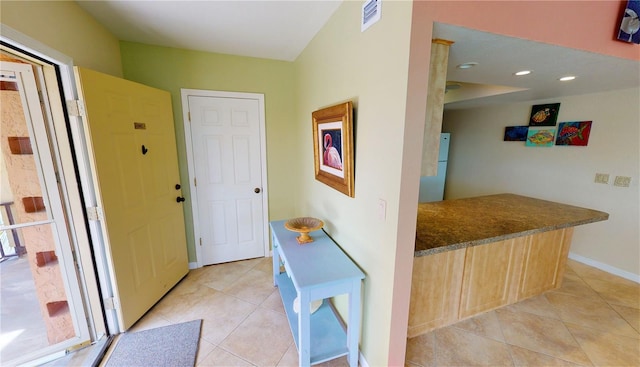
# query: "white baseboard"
[193,266]
[604,267]
[363,362]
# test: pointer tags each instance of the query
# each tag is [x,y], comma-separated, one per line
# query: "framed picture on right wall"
[540,138]
[573,133]
[544,114]
[630,24]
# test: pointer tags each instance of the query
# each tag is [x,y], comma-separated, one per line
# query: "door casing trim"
[82,238]
[90,244]
[185,94]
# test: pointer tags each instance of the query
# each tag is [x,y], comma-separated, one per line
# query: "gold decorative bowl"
[303,225]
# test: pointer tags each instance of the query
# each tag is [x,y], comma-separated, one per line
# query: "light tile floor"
[22,328]
[244,322]
[593,319]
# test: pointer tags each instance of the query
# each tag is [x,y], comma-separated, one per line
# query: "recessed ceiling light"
[467,65]
[523,72]
[567,78]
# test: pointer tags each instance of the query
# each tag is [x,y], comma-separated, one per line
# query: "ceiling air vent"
[370,13]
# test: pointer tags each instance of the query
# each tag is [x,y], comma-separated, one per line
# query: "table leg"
[353,329]
[276,261]
[304,332]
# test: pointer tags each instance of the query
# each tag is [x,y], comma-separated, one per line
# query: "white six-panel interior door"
[225,138]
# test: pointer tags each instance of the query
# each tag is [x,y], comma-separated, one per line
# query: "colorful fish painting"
[544,114]
[540,138]
[515,133]
[573,133]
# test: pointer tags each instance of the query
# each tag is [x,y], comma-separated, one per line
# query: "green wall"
[66,28]
[172,69]
[341,63]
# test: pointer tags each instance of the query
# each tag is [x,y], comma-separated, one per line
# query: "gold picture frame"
[333,147]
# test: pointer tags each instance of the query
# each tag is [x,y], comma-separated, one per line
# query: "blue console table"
[316,271]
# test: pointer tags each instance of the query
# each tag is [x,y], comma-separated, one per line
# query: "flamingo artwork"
[331,156]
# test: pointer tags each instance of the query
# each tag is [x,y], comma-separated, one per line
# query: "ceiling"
[266,29]
[499,57]
[282,29]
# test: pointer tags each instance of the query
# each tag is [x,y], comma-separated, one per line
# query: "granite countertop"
[453,224]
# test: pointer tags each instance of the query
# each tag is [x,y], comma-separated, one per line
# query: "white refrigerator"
[432,187]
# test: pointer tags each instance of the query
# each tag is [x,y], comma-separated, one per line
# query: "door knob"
[179,199]
[256,190]
[178,186]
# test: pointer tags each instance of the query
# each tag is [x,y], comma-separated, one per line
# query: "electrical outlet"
[622,181]
[602,178]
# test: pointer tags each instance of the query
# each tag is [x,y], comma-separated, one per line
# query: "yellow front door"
[132,143]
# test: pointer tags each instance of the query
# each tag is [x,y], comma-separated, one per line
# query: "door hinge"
[110,303]
[76,108]
[189,115]
[195,181]
[200,241]
[95,213]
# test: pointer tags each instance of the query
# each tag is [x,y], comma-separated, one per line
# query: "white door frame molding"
[90,271]
[185,93]
[96,285]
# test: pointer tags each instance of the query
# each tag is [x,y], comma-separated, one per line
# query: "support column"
[435,106]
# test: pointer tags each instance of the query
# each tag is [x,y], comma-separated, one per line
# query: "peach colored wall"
[585,25]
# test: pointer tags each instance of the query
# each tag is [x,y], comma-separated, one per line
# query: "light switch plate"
[382,209]
[602,178]
[622,181]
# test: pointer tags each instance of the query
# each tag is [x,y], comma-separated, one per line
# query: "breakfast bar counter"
[454,224]
[476,254]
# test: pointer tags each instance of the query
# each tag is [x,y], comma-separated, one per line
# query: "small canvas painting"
[574,133]
[544,114]
[630,25]
[515,133]
[540,138]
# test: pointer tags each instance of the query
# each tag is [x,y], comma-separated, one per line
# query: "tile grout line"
[569,331]
[222,291]
[435,349]
[507,345]
[564,323]
[246,317]
[609,303]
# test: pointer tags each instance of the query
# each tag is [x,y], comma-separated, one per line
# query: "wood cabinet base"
[456,285]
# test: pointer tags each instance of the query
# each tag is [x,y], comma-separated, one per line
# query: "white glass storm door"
[41,310]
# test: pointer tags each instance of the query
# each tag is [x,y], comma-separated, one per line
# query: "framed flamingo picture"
[333,147]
